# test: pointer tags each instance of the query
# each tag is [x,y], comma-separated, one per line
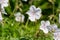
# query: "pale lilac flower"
[34,13]
[57,30]
[1,18]
[19,17]
[4,3]
[56,34]
[44,25]
[52,27]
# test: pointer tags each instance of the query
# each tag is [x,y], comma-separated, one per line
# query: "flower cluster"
[34,15]
[46,27]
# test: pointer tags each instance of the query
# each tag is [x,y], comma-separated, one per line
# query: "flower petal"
[54,26]
[45,30]
[42,22]
[32,8]
[4,5]
[29,13]
[38,10]
[47,23]
[32,18]
[38,16]
[17,14]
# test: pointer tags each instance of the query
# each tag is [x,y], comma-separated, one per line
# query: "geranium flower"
[19,17]
[44,25]
[56,34]
[52,27]
[1,18]
[4,3]
[34,13]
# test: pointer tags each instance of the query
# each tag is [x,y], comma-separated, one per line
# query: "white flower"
[57,30]
[44,25]
[19,17]
[56,35]
[52,27]
[34,13]
[4,3]
[1,17]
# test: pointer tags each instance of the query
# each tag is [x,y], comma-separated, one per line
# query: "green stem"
[15,9]
[53,8]
[15,6]
[27,23]
[59,5]
[2,28]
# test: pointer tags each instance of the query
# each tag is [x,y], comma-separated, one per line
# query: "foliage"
[12,30]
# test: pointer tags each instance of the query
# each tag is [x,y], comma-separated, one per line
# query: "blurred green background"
[12,30]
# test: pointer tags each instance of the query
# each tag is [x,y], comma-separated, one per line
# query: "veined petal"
[54,27]
[38,10]
[57,30]
[38,16]
[32,8]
